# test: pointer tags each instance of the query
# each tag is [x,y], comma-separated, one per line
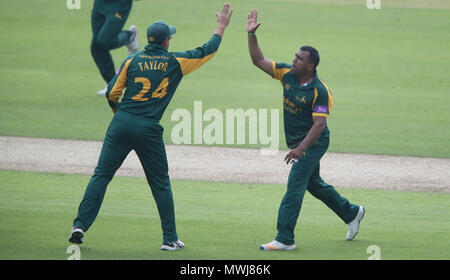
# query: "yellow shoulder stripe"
[189,65]
[330,97]
[279,73]
[315,96]
[120,83]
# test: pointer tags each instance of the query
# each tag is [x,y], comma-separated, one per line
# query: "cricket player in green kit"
[108,18]
[150,78]
[307,102]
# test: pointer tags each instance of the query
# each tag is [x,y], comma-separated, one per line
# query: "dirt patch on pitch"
[231,165]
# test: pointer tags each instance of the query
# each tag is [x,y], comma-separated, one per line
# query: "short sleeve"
[323,101]
[279,70]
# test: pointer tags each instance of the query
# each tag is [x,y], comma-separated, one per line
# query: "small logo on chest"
[303,100]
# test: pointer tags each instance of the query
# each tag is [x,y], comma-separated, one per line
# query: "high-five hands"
[224,17]
[252,23]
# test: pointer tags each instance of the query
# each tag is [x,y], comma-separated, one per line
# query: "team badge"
[303,100]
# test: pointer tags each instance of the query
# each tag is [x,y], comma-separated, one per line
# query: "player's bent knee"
[104,43]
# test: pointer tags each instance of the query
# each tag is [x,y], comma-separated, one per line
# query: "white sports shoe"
[172,246]
[133,45]
[102,92]
[275,245]
[353,226]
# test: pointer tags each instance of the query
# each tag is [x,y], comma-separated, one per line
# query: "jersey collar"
[155,47]
[311,84]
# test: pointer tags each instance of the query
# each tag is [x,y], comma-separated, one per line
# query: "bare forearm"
[223,19]
[312,137]
[220,29]
[257,56]
[254,49]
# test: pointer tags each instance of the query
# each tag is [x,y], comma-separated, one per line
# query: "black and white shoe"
[76,236]
[172,246]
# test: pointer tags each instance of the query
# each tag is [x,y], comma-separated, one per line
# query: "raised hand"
[223,18]
[252,23]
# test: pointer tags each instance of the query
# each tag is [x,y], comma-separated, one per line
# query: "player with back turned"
[307,102]
[150,78]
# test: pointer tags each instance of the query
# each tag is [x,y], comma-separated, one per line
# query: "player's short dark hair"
[313,55]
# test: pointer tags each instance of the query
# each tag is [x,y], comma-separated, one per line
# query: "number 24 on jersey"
[160,92]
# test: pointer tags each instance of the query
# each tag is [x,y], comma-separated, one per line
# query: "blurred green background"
[388,69]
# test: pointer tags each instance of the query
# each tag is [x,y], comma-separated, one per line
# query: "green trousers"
[305,175]
[130,132]
[107,34]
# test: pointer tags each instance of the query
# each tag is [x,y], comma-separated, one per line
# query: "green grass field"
[212,222]
[387,69]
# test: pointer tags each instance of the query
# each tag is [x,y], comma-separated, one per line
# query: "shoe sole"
[264,248]
[364,212]
[168,248]
[76,237]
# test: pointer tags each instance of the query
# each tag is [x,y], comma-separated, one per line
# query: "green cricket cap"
[158,31]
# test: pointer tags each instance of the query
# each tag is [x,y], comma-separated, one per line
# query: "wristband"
[251,34]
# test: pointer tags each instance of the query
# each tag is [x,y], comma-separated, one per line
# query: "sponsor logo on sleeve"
[321,109]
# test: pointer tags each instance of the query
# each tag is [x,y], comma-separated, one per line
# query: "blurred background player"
[307,103]
[108,19]
[150,78]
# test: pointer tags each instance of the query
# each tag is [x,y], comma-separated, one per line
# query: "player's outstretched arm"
[223,19]
[256,54]
[193,59]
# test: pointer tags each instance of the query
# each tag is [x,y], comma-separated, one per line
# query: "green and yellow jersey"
[301,103]
[152,76]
